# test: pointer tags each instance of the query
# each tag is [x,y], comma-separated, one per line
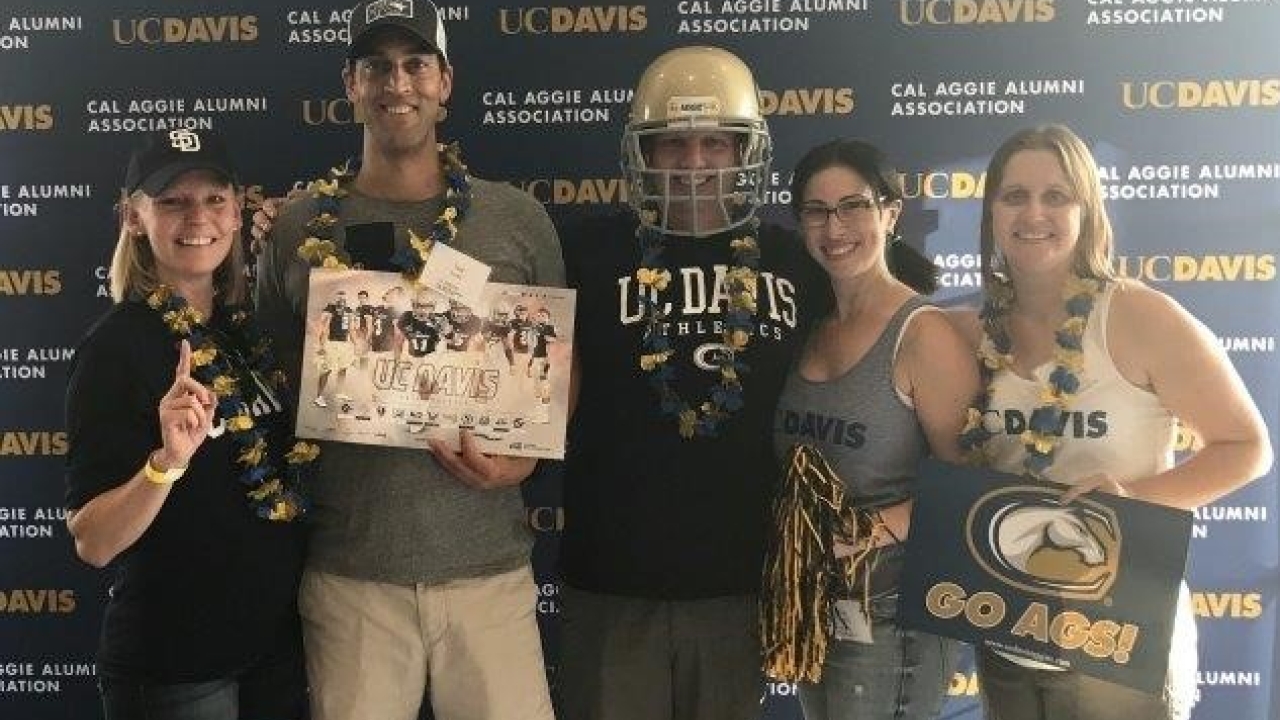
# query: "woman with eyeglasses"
[1060,332]
[880,383]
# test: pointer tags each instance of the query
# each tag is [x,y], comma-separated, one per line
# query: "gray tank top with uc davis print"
[868,435]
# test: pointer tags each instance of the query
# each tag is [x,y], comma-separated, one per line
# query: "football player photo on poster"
[391,363]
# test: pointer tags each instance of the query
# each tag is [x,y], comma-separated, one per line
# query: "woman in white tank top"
[1049,290]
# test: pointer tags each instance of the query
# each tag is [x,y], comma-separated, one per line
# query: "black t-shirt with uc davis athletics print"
[209,588]
[647,512]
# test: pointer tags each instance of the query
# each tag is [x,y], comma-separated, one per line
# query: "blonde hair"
[133,273]
[1093,250]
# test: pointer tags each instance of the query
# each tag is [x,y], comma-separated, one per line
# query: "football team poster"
[388,362]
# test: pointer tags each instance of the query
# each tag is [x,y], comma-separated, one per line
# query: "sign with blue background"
[1090,586]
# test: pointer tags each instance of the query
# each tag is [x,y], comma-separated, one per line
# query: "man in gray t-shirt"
[418,568]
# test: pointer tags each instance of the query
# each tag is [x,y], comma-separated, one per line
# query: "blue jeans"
[272,690]
[903,675]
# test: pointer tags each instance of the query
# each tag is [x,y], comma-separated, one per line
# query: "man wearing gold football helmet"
[682,342]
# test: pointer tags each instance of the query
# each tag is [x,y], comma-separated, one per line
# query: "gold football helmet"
[690,90]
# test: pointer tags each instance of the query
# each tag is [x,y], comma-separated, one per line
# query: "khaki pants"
[473,645]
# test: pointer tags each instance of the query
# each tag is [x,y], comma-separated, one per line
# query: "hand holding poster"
[1090,586]
[390,363]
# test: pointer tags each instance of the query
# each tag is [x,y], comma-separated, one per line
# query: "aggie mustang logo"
[1025,537]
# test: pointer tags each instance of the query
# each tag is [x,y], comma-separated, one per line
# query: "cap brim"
[156,182]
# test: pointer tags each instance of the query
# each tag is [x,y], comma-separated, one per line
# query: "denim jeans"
[273,690]
[903,675]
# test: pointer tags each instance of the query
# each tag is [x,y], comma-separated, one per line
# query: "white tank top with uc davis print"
[1113,426]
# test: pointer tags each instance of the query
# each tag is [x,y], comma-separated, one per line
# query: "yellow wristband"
[161,477]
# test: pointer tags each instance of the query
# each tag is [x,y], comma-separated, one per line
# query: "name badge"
[851,622]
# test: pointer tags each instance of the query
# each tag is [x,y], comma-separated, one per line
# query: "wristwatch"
[161,477]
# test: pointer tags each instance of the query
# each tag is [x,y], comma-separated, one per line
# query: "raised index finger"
[184,361]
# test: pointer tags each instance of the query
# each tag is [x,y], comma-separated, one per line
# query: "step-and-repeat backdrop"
[1179,99]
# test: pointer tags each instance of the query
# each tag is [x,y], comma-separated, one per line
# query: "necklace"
[319,248]
[725,397]
[1044,428]
[227,362]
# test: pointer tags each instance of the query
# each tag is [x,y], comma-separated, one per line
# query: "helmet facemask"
[697,201]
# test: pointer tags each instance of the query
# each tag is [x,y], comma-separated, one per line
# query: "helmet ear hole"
[696,89]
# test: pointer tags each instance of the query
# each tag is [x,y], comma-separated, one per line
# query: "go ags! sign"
[1089,586]
[1039,547]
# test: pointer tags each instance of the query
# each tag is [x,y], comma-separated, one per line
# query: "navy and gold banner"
[1091,586]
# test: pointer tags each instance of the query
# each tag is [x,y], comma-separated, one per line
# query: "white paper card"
[454,274]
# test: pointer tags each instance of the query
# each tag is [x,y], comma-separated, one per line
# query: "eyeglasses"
[846,211]
[376,68]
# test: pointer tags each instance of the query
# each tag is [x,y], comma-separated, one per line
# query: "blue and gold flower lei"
[655,348]
[274,493]
[320,250]
[1044,428]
